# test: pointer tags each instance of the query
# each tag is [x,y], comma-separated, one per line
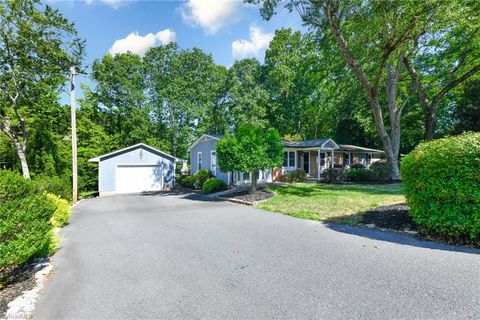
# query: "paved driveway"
[169,257]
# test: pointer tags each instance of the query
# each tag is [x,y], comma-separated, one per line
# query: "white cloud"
[258,41]
[112,3]
[211,15]
[138,44]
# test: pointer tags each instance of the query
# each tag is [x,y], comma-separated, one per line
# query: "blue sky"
[229,30]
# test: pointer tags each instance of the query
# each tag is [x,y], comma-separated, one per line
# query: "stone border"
[22,307]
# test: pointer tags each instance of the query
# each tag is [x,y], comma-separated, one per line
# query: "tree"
[37,48]
[246,98]
[373,38]
[250,149]
[182,85]
[445,57]
[467,109]
[120,94]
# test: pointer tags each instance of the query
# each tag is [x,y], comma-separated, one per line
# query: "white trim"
[329,140]
[211,162]
[318,164]
[199,153]
[203,137]
[99,158]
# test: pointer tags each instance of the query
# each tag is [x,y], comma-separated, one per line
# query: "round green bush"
[200,177]
[213,184]
[442,185]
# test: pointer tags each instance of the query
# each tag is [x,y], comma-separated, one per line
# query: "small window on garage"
[199,161]
[213,162]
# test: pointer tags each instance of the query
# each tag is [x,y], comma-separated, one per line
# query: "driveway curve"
[177,256]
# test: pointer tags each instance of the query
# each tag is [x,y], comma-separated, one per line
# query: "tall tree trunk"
[23,159]
[20,147]
[371,91]
[253,185]
[430,122]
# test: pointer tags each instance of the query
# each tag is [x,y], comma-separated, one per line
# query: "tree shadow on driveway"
[398,238]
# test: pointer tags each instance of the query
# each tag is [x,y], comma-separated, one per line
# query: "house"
[313,156]
[136,168]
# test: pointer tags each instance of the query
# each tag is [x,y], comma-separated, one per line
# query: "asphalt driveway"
[169,257]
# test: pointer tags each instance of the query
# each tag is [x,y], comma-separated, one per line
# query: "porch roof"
[349,147]
[307,143]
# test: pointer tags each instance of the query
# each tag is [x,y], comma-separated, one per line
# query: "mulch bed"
[20,279]
[244,195]
[393,217]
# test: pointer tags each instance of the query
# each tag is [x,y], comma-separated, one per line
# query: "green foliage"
[358,174]
[297,175]
[62,212]
[14,186]
[59,186]
[332,175]
[251,149]
[27,217]
[442,186]
[213,184]
[200,177]
[37,47]
[379,170]
[186,181]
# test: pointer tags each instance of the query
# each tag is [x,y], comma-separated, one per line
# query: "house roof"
[349,147]
[131,148]
[206,136]
[313,143]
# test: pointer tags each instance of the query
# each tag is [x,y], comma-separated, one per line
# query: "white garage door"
[139,178]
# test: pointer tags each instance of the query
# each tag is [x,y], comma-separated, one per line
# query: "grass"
[329,201]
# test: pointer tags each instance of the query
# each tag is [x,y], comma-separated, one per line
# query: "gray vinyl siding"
[205,147]
[140,156]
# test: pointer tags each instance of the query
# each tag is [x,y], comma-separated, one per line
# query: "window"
[213,162]
[199,161]
[289,159]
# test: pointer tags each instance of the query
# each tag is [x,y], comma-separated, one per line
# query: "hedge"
[442,185]
[213,184]
[27,218]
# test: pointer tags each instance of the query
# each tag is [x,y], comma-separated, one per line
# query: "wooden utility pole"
[74,135]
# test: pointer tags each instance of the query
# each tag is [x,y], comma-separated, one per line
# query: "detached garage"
[135,169]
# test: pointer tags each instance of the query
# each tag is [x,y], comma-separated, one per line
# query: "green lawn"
[328,201]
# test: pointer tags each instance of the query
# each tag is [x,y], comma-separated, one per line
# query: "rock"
[370,225]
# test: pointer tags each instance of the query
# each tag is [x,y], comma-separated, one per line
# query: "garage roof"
[131,148]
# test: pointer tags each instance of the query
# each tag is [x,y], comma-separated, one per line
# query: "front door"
[306,162]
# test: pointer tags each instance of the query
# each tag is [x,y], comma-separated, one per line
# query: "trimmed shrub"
[200,177]
[13,185]
[442,185]
[357,166]
[297,175]
[379,171]
[27,217]
[213,184]
[358,174]
[187,181]
[59,186]
[62,212]
[333,175]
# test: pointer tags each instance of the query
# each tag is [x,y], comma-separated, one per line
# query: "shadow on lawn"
[319,188]
[393,237]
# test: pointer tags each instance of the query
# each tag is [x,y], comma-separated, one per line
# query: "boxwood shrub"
[442,185]
[213,184]
[27,217]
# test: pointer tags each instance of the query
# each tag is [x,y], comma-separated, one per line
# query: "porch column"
[318,164]
[333,161]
